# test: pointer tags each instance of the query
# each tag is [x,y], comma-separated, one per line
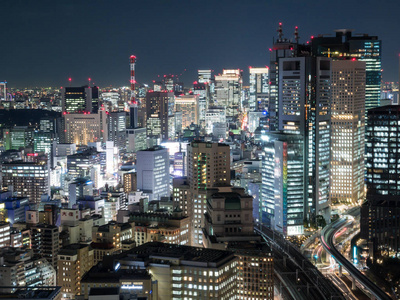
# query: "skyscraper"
[361,47]
[347,131]
[380,214]
[228,91]
[282,48]
[157,110]
[117,128]
[304,108]
[208,167]
[80,99]
[284,191]
[189,106]
[259,89]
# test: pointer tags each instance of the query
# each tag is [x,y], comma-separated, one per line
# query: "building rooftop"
[101,273]
[72,249]
[187,255]
[104,291]
[33,293]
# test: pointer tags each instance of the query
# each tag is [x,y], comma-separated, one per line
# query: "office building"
[282,48]
[152,168]
[309,114]
[189,106]
[259,89]
[64,149]
[347,131]
[183,271]
[81,164]
[136,139]
[19,267]
[12,209]
[229,214]
[85,128]
[228,91]
[45,242]
[284,190]
[208,165]
[380,214]
[73,262]
[171,228]
[4,234]
[29,179]
[80,99]
[128,283]
[17,137]
[117,128]
[159,105]
[360,47]
[213,117]
[255,274]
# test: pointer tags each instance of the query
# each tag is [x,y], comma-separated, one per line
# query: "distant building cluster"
[154,191]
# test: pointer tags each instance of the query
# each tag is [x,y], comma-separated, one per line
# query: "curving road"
[327,236]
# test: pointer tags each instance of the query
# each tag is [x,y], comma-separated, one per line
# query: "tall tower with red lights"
[133,109]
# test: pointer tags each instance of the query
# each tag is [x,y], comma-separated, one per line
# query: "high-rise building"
[208,167]
[307,112]
[152,168]
[136,139]
[73,262]
[29,179]
[45,242]
[228,91]
[259,89]
[282,48]
[158,108]
[117,128]
[80,99]
[360,47]
[213,116]
[347,131]
[84,128]
[189,106]
[284,190]
[380,214]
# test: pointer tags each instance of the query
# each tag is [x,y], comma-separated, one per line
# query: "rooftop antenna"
[280,34]
[296,34]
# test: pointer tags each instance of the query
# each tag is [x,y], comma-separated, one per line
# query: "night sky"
[45,42]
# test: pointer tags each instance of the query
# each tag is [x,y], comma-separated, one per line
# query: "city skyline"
[93,39]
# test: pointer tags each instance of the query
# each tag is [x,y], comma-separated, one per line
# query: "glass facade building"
[360,47]
[283,183]
[259,89]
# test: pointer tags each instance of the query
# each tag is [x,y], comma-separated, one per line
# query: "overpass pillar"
[327,256]
[340,270]
[353,284]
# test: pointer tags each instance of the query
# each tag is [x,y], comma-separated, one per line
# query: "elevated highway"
[327,240]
